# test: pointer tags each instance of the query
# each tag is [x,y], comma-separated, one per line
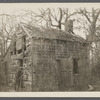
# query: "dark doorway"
[75,66]
[64,74]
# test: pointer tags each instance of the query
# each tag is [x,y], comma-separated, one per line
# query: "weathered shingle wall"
[46,52]
[49,59]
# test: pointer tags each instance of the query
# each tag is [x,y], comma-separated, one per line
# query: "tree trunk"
[59,26]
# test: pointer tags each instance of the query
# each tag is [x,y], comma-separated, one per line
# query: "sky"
[11,7]
[16,8]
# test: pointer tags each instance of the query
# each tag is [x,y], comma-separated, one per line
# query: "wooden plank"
[65,78]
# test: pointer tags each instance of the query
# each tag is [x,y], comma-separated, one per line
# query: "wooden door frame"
[60,72]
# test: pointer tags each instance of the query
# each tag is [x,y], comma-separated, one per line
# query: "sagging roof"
[51,33]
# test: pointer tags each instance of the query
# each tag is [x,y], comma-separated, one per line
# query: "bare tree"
[92,18]
[52,17]
[6,31]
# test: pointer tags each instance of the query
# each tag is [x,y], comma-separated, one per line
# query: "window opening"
[75,66]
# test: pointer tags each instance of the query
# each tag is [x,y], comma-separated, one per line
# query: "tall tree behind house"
[6,30]
[92,17]
[51,17]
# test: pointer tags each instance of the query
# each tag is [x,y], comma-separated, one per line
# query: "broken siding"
[44,52]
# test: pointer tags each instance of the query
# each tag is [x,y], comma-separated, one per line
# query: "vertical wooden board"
[81,66]
[63,82]
[65,78]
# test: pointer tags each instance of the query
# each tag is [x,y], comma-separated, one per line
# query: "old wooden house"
[53,59]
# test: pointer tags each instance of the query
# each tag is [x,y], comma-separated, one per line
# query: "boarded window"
[75,66]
